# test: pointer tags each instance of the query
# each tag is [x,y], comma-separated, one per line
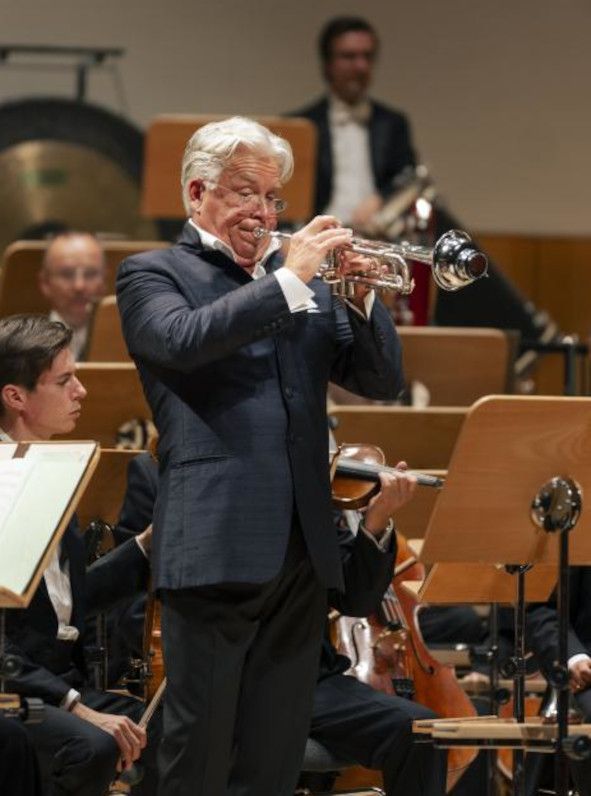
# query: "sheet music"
[13,476]
[36,493]
[7,450]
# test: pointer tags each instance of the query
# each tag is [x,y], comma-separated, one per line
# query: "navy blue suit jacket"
[390,148]
[237,385]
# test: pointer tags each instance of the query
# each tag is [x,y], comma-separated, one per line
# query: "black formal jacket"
[137,510]
[51,667]
[367,570]
[237,385]
[542,621]
[390,147]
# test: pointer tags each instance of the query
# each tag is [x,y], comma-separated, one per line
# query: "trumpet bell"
[456,263]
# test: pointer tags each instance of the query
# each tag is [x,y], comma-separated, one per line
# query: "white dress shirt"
[352,173]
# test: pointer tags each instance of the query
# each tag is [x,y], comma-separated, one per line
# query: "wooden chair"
[457,365]
[19,291]
[115,396]
[425,438]
[167,136]
[105,338]
[104,495]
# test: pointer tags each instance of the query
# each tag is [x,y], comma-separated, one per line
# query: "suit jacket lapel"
[189,246]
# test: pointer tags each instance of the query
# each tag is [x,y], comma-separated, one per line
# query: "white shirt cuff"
[141,547]
[383,542]
[580,656]
[70,699]
[368,301]
[297,294]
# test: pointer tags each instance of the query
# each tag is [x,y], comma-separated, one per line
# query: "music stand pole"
[556,509]
[517,666]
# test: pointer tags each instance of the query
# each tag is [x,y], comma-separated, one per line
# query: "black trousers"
[78,758]
[19,770]
[372,729]
[241,663]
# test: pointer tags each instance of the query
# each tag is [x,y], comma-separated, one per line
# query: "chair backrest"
[425,438]
[165,143]
[115,396]
[105,338]
[457,365]
[413,518]
[21,263]
[103,497]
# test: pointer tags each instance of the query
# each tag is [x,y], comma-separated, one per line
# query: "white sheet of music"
[35,492]
[13,476]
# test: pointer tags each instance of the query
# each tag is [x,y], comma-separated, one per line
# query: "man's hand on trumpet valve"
[350,262]
[309,247]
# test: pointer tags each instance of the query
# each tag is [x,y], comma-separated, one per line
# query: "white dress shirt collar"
[210,241]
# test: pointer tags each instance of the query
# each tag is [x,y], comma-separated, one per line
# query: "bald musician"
[72,279]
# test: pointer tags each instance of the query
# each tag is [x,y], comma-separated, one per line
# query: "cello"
[387,650]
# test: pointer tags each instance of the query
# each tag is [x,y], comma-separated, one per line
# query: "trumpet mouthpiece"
[260,232]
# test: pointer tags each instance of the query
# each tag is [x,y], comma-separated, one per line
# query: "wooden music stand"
[519,463]
[509,446]
[167,137]
[448,583]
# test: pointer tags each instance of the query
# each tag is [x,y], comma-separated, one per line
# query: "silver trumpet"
[455,262]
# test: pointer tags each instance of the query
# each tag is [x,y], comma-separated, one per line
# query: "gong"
[69,164]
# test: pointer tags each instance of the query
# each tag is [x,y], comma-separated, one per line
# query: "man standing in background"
[362,144]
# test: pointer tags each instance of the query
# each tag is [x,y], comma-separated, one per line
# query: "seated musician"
[86,733]
[19,769]
[350,719]
[72,279]
[542,638]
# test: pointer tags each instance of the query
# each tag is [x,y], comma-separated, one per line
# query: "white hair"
[211,147]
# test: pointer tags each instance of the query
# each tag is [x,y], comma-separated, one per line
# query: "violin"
[355,475]
[388,652]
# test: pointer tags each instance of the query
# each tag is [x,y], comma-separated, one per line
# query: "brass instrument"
[454,262]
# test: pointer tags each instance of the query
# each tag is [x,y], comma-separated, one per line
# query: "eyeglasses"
[72,274]
[250,200]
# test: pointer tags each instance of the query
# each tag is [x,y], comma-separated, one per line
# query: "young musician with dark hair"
[85,732]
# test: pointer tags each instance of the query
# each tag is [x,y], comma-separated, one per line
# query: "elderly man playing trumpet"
[235,346]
